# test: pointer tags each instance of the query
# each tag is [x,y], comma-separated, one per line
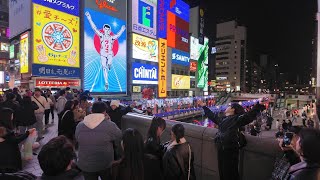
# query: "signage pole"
[318,69]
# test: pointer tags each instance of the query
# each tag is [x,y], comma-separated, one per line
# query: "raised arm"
[251,115]
[93,26]
[212,116]
[123,28]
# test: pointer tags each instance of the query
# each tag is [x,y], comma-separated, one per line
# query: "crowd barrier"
[256,159]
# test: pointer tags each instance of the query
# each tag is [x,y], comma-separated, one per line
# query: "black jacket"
[304,171]
[116,114]
[228,134]
[68,175]
[176,163]
[10,157]
[67,124]
[25,115]
[153,159]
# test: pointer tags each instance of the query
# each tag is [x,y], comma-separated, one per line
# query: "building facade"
[4,41]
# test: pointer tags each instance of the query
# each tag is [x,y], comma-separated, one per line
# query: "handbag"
[39,102]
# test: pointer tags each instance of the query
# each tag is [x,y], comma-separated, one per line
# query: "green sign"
[11,51]
[203,65]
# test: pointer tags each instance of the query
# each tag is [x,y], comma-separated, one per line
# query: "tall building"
[231,56]
[4,41]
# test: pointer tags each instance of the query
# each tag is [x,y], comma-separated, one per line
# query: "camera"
[287,139]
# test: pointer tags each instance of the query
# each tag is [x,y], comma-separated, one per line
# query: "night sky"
[281,28]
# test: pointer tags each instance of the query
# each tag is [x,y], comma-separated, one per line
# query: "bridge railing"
[256,159]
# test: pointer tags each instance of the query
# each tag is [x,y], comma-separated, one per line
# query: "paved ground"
[33,165]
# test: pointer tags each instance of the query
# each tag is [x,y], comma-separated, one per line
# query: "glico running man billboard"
[144,17]
[105,47]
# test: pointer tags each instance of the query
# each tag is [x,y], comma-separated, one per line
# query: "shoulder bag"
[39,102]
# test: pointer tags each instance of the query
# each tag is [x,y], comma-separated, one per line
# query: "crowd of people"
[92,144]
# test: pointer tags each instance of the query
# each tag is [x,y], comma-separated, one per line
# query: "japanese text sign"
[55,71]
[144,48]
[24,53]
[56,37]
[67,6]
[48,82]
[162,86]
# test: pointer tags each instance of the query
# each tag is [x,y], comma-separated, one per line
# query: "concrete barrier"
[256,159]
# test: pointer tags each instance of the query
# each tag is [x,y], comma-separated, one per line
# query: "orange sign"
[105,4]
[162,85]
[57,82]
[193,66]
[171,33]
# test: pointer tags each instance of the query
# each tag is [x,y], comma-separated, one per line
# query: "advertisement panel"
[144,74]
[180,82]
[144,48]
[114,8]
[46,82]
[55,71]
[11,55]
[67,6]
[176,7]
[105,54]
[201,25]
[24,53]
[144,17]
[136,89]
[56,37]
[1,77]
[19,16]
[180,57]
[162,68]
[202,65]
[4,47]
[193,66]
[177,32]
[194,50]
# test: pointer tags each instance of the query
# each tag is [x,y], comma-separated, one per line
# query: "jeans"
[104,175]
[52,112]
[46,116]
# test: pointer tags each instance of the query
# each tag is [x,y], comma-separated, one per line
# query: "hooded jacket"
[95,136]
[304,171]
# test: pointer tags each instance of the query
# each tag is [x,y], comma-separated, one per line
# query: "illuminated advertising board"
[67,6]
[24,53]
[180,82]
[180,57]
[11,55]
[194,51]
[55,71]
[46,82]
[1,77]
[105,54]
[144,48]
[136,89]
[162,87]
[144,17]
[144,74]
[193,66]
[176,7]
[55,37]
[4,47]
[177,32]
[202,65]
[19,16]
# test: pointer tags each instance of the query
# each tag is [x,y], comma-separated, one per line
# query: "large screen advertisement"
[163,50]
[144,17]
[177,7]
[177,32]
[203,64]
[194,48]
[144,48]
[24,53]
[19,16]
[180,57]
[105,54]
[144,74]
[180,82]
[55,37]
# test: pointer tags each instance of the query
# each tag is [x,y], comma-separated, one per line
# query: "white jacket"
[41,102]
[48,103]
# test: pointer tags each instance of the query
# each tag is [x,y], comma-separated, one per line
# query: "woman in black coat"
[67,124]
[10,157]
[25,116]
[228,137]
[153,150]
[178,159]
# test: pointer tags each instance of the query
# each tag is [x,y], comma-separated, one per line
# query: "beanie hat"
[115,102]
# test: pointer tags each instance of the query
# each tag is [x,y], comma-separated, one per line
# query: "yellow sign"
[136,89]
[144,48]
[180,82]
[24,53]
[55,37]
[162,85]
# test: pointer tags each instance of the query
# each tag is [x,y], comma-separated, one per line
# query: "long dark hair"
[68,105]
[133,152]
[155,124]
[178,131]
[238,109]
[6,118]
[26,100]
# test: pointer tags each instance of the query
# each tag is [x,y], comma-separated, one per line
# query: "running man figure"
[106,41]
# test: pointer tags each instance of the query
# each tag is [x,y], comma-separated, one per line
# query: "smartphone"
[287,139]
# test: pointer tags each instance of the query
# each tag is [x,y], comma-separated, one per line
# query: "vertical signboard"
[194,48]
[19,16]
[11,54]
[105,46]
[144,17]
[24,53]
[201,25]
[56,30]
[162,86]
[144,48]
[202,65]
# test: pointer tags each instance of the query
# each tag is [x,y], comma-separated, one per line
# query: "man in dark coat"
[116,112]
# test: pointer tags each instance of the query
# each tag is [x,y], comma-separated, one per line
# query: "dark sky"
[281,28]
